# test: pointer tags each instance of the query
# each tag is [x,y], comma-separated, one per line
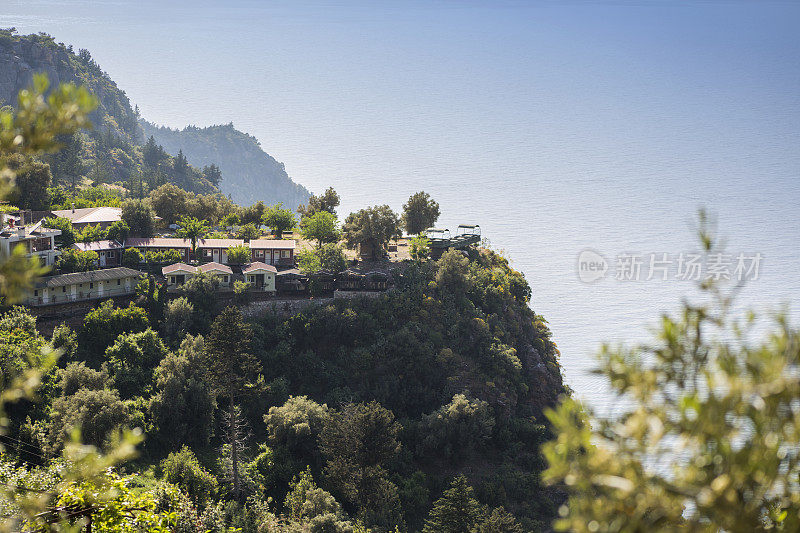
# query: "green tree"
[373,228]
[232,371]
[329,257]
[69,167]
[452,273]
[213,174]
[279,220]
[118,231]
[72,260]
[67,237]
[139,216]
[704,391]
[169,202]
[103,324]
[456,429]
[76,376]
[65,340]
[296,425]
[178,319]
[238,255]
[132,359]
[95,412]
[457,511]
[32,181]
[192,229]
[327,201]
[358,441]
[419,247]
[322,227]
[201,291]
[132,257]
[499,521]
[182,468]
[249,232]
[420,212]
[182,410]
[92,233]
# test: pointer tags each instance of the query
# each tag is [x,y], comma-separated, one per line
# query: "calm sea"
[557,127]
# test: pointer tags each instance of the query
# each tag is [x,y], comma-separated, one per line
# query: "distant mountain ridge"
[257,174]
[112,151]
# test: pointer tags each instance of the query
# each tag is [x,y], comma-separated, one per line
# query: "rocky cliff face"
[23,56]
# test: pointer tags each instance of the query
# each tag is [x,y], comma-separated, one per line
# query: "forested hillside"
[359,413]
[250,174]
[116,150]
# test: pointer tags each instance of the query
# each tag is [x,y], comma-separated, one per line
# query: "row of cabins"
[122,281]
[277,252]
[82,286]
[266,278]
[260,276]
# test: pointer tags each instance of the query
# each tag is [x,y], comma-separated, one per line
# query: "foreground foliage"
[703,392]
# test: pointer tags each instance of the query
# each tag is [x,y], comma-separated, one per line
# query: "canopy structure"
[466,235]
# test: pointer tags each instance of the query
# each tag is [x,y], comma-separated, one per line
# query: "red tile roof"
[208,267]
[258,265]
[219,243]
[97,246]
[169,269]
[157,242]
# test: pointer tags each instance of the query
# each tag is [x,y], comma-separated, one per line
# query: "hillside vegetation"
[258,176]
[116,150]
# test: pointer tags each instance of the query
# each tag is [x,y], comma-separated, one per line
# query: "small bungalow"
[261,276]
[216,250]
[222,272]
[81,286]
[279,252]
[178,273]
[109,253]
[160,244]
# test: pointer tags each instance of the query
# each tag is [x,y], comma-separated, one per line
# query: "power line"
[23,443]
[21,450]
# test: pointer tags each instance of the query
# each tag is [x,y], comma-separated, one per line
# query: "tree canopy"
[373,227]
[420,212]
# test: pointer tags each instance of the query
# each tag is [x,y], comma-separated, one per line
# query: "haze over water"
[556,127]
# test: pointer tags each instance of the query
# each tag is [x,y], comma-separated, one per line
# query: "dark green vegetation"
[354,412]
[117,150]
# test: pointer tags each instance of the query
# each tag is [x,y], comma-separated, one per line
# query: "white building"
[37,240]
[81,286]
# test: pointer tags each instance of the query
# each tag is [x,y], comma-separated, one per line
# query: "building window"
[111,255]
[64,289]
[118,281]
[260,253]
[91,285]
[36,293]
[284,253]
[207,252]
[225,279]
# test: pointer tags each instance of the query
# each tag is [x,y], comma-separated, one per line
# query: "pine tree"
[231,369]
[457,511]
